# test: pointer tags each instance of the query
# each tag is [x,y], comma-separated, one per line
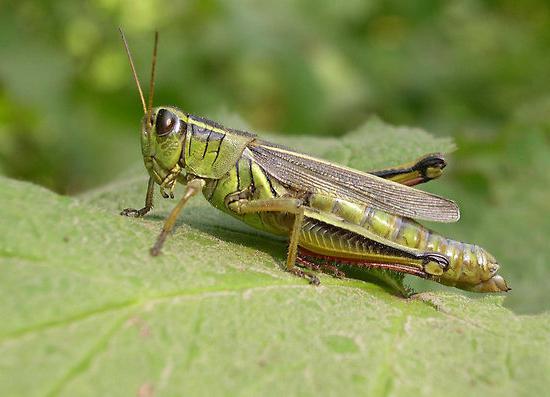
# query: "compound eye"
[166,121]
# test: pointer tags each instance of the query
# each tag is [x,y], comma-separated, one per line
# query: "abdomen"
[469,263]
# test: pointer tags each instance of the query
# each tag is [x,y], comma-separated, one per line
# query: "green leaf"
[86,311]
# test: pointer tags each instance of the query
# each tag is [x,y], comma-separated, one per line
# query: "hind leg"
[422,170]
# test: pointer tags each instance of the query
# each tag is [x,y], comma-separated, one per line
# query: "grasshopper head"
[162,139]
[162,128]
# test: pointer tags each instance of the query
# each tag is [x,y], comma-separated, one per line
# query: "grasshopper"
[327,211]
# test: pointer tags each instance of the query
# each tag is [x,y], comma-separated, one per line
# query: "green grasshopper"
[327,211]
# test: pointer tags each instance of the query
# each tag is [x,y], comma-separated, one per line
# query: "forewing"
[307,173]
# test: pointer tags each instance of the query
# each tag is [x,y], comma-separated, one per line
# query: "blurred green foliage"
[475,70]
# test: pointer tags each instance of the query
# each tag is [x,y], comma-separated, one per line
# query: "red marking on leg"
[414,181]
[396,267]
[333,270]
[307,264]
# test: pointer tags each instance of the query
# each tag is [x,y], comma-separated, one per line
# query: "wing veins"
[318,176]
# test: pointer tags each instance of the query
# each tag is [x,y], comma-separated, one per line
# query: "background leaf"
[86,311]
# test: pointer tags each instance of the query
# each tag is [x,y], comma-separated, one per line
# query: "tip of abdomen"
[494,284]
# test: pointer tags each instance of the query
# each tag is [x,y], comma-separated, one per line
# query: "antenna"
[134,70]
[153,70]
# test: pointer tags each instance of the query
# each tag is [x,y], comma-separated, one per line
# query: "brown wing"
[304,172]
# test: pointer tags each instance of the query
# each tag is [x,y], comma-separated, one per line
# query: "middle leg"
[283,204]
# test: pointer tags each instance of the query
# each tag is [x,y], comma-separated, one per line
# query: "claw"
[132,212]
[313,279]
